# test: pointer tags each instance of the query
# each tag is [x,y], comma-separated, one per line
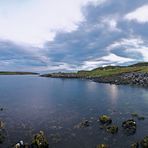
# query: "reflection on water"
[113,94]
[55,106]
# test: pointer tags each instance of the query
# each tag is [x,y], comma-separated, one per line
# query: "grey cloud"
[72,50]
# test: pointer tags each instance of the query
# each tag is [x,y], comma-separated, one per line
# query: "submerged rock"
[135,145]
[129,126]
[112,129]
[144,142]
[83,124]
[104,119]
[102,146]
[1,109]
[137,116]
[39,141]
[141,118]
[134,114]
[2,132]
[2,137]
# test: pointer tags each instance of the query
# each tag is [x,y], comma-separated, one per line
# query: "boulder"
[104,119]
[113,129]
[39,141]
[129,126]
[144,142]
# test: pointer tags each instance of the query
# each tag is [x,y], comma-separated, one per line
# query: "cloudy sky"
[63,35]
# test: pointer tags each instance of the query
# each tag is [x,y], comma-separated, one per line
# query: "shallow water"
[55,106]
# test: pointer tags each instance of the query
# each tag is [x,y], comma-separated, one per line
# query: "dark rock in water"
[113,129]
[144,142]
[83,124]
[2,125]
[20,145]
[137,116]
[2,136]
[141,118]
[104,119]
[1,109]
[135,145]
[134,114]
[2,132]
[129,126]
[102,146]
[39,141]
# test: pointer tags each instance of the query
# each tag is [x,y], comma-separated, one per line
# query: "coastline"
[133,78]
[17,73]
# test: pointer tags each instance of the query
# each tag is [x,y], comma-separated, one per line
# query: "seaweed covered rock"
[113,129]
[129,127]
[39,141]
[102,146]
[104,119]
[135,145]
[144,142]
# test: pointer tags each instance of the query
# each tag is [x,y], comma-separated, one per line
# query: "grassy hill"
[104,71]
[114,70]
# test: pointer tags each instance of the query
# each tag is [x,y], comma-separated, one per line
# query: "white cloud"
[36,21]
[116,59]
[126,43]
[110,59]
[140,15]
[131,45]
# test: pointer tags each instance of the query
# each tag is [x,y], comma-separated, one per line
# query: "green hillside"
[114,70]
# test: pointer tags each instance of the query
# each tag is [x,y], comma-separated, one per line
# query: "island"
[136,74]
[17,73]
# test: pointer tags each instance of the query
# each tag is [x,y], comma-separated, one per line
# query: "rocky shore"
[134,78]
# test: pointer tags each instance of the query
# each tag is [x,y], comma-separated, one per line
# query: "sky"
[72,35]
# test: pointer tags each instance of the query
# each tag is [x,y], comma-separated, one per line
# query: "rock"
[39,141]
[83,124]
[2,124]
[141,118]
[1,109]
[144,142]
[134,114]
[135,145]
[104,119]
[17,145]
[113,129]
[129,126]
[2,137]
[22,145]
[2,132]
[102,146]
[137,116]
